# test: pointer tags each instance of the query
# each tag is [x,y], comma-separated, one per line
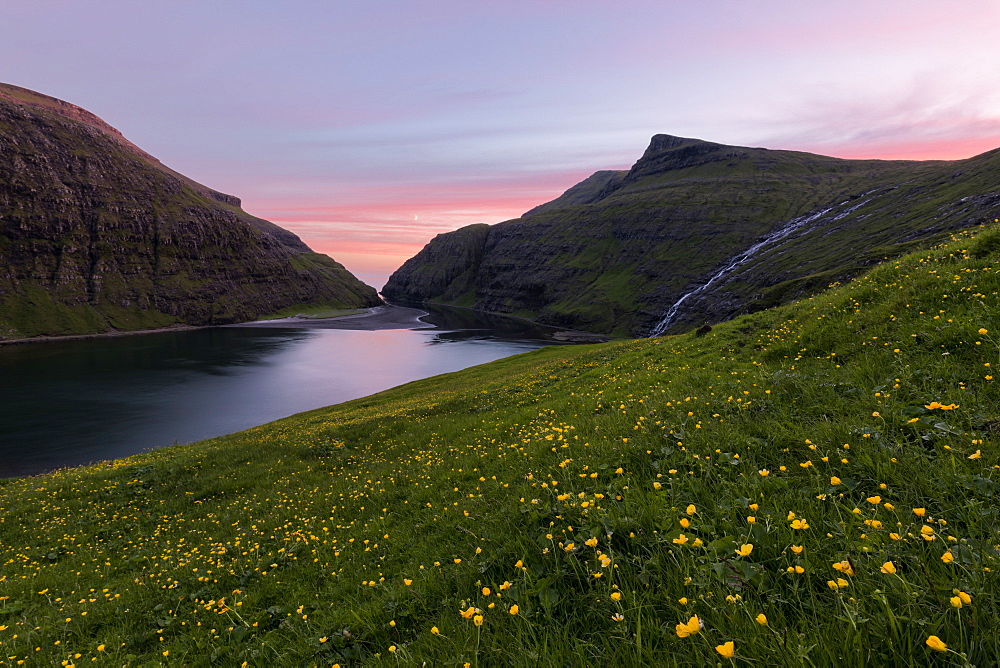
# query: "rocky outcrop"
[96,235]
[616,252]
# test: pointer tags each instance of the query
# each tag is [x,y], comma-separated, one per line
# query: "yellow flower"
[726,649]
[797,549]
[800,524]
[796,569]
[514,609]
[834,480]
[467,614]
[745,550]
[761,619]
[657,485]
[478,620]
[616,596]
[888,567]
[100,648]
[486,591]
[844,567]
[697,542]
[963,596]
[956,602]
[691,510]
[791,516]
[874,500]
[751,519]
[983,331]
[926,530]
[948,557]
[680,540]
[392,648]
[919,512]
[685,522]
[936,643]
[590,542]
[683,601]
[407,582]
[975,455]
[435,630]
[692,626]
[617,617]
[839,584]
[764,472]
[505,586]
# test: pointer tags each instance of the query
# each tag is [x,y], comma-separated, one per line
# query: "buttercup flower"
[726,649]
[936,643]
[692,626]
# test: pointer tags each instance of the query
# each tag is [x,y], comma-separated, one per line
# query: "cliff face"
[720,229]
[95,235]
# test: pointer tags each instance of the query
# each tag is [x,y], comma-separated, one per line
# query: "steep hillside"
[711,229]
[96,234]
[813,485]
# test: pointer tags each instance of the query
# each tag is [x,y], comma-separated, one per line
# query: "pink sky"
[367,128]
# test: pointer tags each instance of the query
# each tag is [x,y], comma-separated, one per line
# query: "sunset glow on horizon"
[368,128]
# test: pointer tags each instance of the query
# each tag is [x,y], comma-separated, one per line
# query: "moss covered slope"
[96,235]
[616,251]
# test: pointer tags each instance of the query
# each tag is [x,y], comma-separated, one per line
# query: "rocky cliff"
[698,232]
[97,235]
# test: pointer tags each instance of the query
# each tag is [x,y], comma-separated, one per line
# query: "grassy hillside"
[816,484]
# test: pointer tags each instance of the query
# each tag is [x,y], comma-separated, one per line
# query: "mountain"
[97,235]
[697,232]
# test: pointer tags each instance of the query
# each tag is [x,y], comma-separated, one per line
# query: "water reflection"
[68,403]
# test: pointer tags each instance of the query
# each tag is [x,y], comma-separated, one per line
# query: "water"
[74,402]
[732,264]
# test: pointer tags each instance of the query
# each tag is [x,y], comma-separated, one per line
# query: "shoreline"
[374,318]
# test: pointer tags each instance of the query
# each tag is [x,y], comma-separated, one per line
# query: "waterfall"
[738,261]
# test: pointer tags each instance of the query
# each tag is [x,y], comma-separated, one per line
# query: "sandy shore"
[378,317]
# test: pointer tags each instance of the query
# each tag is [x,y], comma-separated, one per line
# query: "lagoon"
[66,403]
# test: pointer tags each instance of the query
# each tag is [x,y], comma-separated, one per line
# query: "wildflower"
[478,620]
[764,472]
[761,619]
[839,584]
[751,519]
[726,649]
[616,596]
[874,500]
[590,542]
[745,550]
[435,630]
[834,480]
[685,522]
[983,331]
[486,591]
[919,512]
[691,510]
[683,601]
[514,609]
[799,524]
[888,567]
[392,648]
[681,539]
[657,485]
[796,569]
[505,586]
[467,614]
[692,626]
[975,455]
[948,557]
[965,598]
[956,602]
[791,516]
[617,617]
[407,582]
[797,549]
[844,567]
[937,644]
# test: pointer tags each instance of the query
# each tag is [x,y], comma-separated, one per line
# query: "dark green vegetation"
[96,235]
[616,251]
[816,484]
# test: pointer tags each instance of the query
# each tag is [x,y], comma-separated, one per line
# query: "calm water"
[74,402]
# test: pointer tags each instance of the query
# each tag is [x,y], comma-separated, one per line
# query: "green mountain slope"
[97,235]
[615,252]
[830,464]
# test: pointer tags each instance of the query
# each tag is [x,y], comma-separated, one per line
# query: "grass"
[815,484]
[313,311]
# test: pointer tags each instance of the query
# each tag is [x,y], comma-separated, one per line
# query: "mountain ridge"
[616,251]
[97,235]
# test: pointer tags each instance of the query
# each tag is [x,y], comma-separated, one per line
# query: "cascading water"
[794,225]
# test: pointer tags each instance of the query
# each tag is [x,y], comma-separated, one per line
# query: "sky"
[368,127]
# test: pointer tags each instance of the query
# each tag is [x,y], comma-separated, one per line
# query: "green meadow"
[810,485]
